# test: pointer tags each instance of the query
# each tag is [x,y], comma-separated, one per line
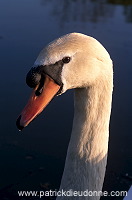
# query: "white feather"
[90,72]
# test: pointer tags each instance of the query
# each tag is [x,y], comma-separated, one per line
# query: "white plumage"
[90,73]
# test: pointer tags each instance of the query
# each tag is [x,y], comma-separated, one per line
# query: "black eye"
[66,59]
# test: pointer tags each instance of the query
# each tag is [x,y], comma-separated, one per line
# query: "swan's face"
[73,61]
[79,57]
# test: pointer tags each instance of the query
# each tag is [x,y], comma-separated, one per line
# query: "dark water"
[35,157]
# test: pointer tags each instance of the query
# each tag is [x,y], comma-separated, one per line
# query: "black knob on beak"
[33,77]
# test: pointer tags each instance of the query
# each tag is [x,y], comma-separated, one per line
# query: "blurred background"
[34,158]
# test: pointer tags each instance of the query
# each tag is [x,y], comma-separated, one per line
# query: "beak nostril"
[40,87]
[38,92]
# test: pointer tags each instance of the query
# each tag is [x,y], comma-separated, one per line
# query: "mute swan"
[81,62]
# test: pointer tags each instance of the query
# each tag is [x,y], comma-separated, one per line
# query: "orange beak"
[36,104]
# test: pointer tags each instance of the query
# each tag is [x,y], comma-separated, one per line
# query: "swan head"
[72,61]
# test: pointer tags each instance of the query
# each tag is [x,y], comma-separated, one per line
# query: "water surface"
[32,157]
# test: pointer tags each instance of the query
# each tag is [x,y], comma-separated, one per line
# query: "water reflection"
[121,2]
[127,8]
[128,13]
[87,11]
[21,38]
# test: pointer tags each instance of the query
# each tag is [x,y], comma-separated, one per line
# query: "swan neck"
[87,152]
